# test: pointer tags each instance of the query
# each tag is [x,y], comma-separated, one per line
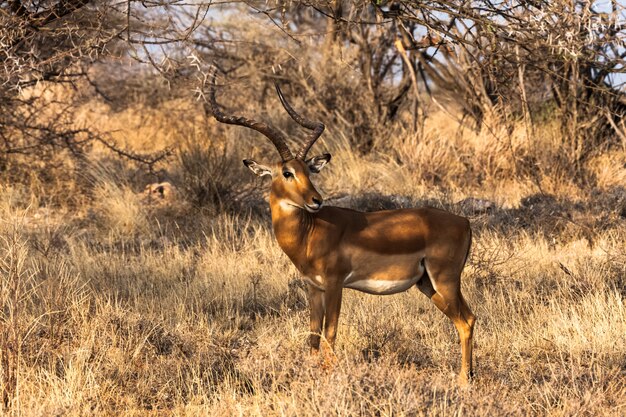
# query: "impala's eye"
[288,174]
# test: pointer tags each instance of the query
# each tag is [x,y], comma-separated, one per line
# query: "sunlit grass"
[131,308]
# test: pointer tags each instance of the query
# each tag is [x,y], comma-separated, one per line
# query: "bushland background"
[117,299]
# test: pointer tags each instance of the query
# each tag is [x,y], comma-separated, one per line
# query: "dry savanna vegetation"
[139,274]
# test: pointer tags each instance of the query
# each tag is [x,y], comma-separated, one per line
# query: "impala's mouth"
[312,208]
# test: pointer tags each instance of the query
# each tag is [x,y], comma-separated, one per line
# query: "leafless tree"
[48,56]
[512,57]
[499,61]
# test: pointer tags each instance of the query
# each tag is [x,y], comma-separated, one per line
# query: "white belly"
[383,287]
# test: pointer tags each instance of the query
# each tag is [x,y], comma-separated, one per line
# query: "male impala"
[383,252]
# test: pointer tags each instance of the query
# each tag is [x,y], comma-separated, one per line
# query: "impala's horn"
[316,127]
[268,130]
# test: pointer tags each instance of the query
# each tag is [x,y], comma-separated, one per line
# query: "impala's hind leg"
[445,292]
[470,319]
[450,305]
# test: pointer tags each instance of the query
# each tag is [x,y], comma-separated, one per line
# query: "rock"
[476,205]
[156,192]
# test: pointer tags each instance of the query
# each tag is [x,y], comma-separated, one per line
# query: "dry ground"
[119,306]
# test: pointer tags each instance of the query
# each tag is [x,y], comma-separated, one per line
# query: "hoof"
[329,359]
[465,378]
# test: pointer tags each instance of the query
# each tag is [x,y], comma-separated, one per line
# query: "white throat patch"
[288,206]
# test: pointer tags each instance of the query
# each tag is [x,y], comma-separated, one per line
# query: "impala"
[382,252]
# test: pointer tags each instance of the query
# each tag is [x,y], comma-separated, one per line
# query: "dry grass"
[123,308]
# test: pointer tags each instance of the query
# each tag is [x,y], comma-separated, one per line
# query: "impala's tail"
[469,247]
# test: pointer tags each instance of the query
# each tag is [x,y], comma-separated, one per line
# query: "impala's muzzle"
[314,206]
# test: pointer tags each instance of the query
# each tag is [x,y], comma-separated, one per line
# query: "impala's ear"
[318,162]
[258,169]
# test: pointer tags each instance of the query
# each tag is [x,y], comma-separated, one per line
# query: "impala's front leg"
[332,301]
[316,305]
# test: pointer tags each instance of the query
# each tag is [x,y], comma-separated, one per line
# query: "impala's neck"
[292,227]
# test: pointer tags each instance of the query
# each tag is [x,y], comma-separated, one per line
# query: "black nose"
[317,201]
